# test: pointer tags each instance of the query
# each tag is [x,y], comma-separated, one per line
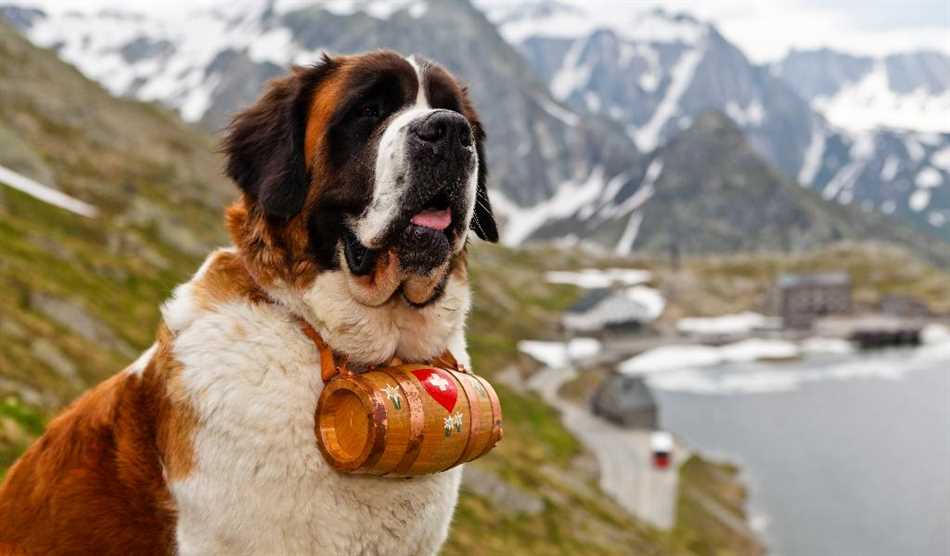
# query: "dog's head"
[372,166]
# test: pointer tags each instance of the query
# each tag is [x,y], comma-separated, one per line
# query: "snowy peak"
[212,61]
[172,55]
[519,21]
[857,93]
[578,100]
[656,83]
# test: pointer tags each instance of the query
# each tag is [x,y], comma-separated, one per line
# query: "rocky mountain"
[207,64]
[574,99]
[738,202]
[654,72]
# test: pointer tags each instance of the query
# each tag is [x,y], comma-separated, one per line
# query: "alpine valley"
[588,113]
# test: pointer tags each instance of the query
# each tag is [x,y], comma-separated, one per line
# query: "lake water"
[844,455]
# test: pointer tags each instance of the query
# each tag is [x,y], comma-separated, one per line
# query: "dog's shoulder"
[94,482]
[221,280]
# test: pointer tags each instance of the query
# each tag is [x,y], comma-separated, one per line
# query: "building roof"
[590,300]
[621,393]
[604,307]
[816,279]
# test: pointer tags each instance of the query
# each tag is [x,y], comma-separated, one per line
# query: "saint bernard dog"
[362,178]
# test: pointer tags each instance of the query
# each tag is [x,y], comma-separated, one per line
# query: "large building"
[806,297]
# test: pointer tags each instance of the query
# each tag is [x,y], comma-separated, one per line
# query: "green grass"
[19,425]
[698,529]
[160,193]
[22,415]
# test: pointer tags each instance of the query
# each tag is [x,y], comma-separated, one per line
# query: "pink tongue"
[435,219]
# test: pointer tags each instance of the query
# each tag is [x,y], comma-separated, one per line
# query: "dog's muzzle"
[431,221]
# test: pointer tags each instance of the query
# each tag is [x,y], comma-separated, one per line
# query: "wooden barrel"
[406,420]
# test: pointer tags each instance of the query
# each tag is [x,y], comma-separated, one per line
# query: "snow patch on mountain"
[857,93]
[572,19]
[639,197]
[568,198]
[571,75]
[558,112]
[889,170]
[629,236]
[871,102]
[746,116]
[103,44]
[928,178]
[941,159]
[814,155]
[919,200]
[647,137]
[841,187]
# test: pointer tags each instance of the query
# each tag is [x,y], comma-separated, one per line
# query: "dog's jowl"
[362,180]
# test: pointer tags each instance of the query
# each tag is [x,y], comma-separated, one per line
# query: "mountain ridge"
[655,83]
[573,113]
[709,190]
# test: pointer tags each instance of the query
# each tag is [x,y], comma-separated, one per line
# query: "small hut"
[626,401]
[604,309]
[806,297]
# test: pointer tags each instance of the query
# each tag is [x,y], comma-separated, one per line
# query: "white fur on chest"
[373,335]
[259,484]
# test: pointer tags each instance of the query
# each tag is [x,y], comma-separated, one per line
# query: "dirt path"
[624,457]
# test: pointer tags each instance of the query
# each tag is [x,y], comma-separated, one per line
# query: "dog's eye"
[371,110]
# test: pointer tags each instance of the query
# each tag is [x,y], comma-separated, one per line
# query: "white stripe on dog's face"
[392,170]
[421,99]
[392,167]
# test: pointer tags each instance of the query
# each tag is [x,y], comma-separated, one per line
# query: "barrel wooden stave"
[414,428]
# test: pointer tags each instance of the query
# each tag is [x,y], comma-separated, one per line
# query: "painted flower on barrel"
[453,422]
[392,392]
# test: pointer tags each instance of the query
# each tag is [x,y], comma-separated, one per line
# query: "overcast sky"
[764,29]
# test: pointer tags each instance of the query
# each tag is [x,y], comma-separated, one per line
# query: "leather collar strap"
[330,365]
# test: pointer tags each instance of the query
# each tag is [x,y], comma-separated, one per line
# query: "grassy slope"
[68,285]
[704,484]
[723,284]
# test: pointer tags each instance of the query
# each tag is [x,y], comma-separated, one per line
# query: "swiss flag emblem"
[440,385]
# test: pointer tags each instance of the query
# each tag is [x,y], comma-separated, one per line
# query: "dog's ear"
[264,145]
[483,220]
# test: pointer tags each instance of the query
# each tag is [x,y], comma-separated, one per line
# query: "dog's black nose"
[443,129]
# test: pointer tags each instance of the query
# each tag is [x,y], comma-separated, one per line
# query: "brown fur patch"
[325,102]
[272,254]
[226,279]
[177,420]
[93,483]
